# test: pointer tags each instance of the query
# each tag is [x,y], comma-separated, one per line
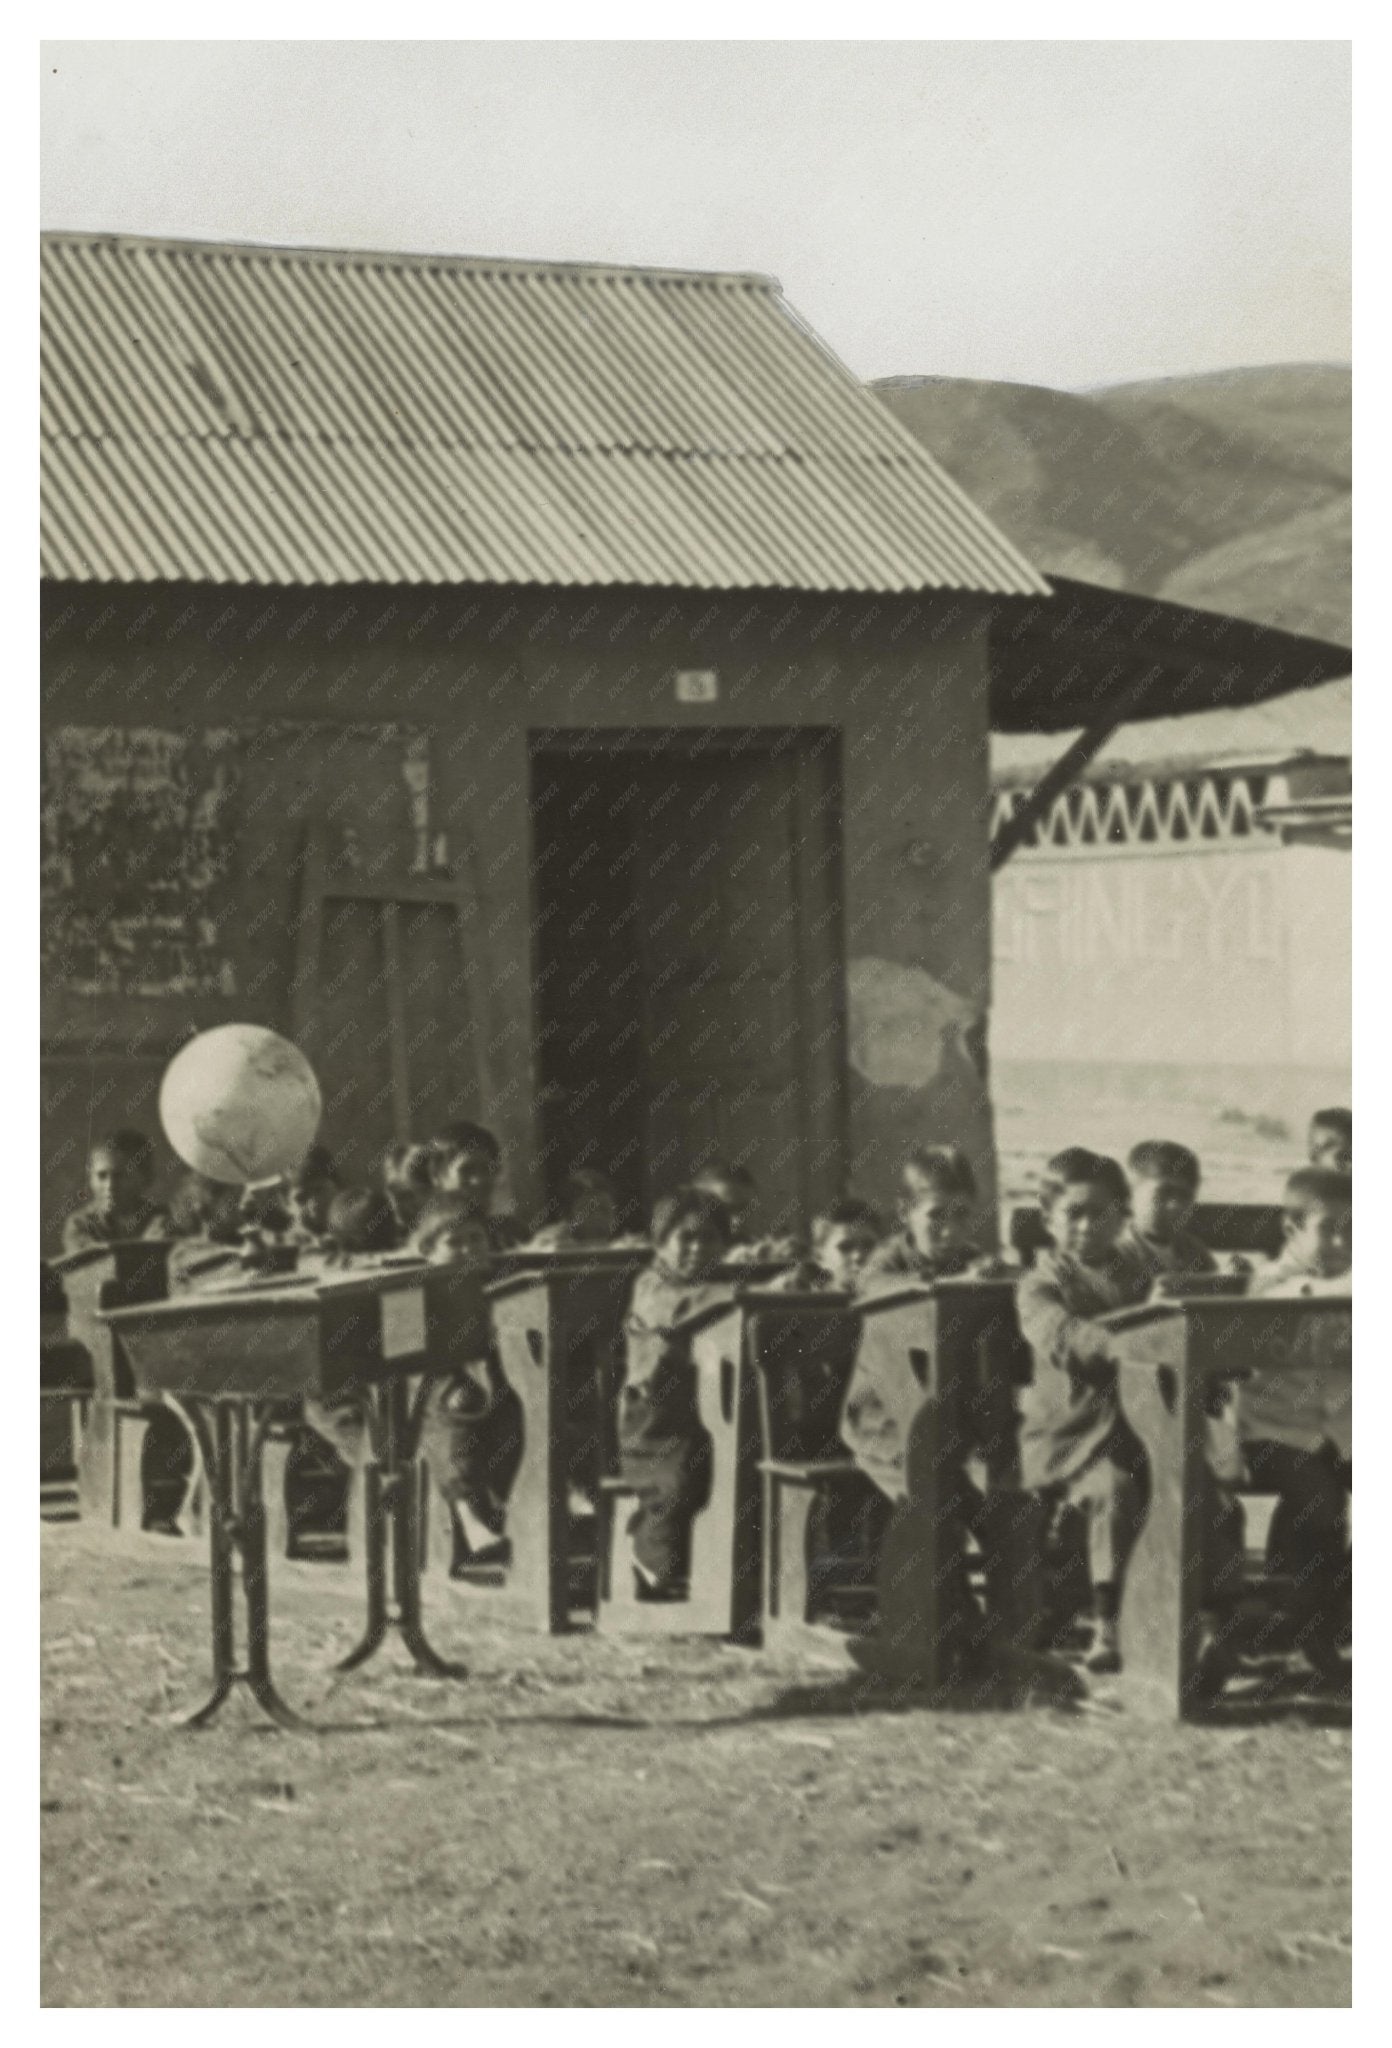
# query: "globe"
[240,1104]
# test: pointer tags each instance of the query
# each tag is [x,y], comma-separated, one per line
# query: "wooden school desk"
[722,1593]
[1172,1354]
[947,1361]
[799,1349]
[231,1361]
[65,1390]
[114,1427]
[557,1320]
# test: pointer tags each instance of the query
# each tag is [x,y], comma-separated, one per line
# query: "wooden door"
[719,1012]
[387,1004]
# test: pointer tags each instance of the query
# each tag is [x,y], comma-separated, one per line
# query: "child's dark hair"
[463,1136]
[1074,1166]
[945,1167]
[689,1205]
[841,1215]
[1316,1187]
[581,1182]
[1161,1159]
[361,1220]
[131,1148]
[1339,1121]
[441,1213]
[200,1206]
[316,1165]
[408,1163]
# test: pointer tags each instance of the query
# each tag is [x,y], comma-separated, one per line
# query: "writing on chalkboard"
[138,842]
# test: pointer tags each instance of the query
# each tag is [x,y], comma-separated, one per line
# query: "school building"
[554,695]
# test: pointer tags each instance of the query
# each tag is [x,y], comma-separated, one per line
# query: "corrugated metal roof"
[291,416]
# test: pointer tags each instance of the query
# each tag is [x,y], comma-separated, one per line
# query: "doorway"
[688,961]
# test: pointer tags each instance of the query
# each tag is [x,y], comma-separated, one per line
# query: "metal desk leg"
[392,1515]
[230,1435]
[375,1565]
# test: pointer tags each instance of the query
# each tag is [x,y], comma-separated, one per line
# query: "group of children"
[1115,1234]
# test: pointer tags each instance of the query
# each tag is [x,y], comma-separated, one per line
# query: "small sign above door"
[697,686]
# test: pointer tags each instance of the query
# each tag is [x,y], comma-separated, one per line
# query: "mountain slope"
[1297,414]
[1281,574]
[1229,492]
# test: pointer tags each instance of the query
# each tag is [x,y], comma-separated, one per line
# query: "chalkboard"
[138,844]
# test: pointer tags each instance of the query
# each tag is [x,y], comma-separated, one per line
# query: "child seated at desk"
[663,1450]
[1164,1189]
[197,1208]
[471,1427]
[937,1212]
[309,1194]
[203,1208]
[589,1213]
[447,1230]
[466,1161]
[936,1243]
[407,1183]
[1076,1448]
[1317,1257]
[1294,1426]
[845,1237]
[1329,1141]
[359,1230]
[735,1188]
[120,1170]
[472,1416]
[205,1221]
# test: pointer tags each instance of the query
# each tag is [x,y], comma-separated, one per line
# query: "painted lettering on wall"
[1094,914]
[1168,957]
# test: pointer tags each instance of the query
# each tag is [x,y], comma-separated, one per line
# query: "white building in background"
[1172,946]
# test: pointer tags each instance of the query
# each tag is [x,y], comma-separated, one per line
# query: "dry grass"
[596,1822]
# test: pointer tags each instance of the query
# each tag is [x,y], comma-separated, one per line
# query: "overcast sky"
[1056,213]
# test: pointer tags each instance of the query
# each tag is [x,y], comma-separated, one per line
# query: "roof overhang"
[1097,659]
[1089,654]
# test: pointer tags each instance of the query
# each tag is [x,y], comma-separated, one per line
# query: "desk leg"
[1163,1626]
[230,1436]
[924,1621]
[374,1527]
[392,1520]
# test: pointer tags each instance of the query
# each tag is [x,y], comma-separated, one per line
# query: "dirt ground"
[597,1822]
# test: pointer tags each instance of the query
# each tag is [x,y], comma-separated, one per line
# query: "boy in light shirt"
[1295,1423]
[1164,1181]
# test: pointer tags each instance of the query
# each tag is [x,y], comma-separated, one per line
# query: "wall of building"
[1199,990]
[301,708]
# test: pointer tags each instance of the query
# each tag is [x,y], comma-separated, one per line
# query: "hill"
[1298,414]
[1285,574]
[1229,492]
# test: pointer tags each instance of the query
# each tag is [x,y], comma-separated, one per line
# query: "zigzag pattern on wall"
[1151,811]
